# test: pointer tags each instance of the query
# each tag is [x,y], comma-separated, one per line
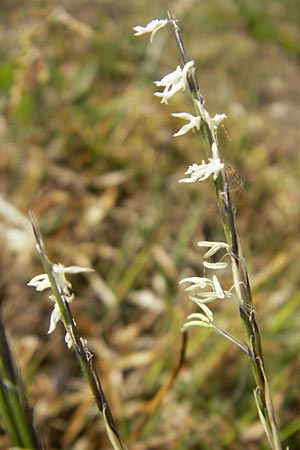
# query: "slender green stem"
[239,269]
[84,357]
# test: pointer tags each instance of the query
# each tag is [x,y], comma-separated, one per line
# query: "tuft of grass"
[15,412]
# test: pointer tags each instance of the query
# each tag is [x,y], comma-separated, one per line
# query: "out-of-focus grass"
[86,145]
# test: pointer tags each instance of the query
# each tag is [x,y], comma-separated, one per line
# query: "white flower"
[68,340]
[217,287]
[206,319]
[217,119]
[215,151]
[204,297]
[151,27]
[216,266]
[212,122]
[201,297]
[54,318]
[42,282]
[59,272]
[200,319]
[174,82]
[194,122]
[214,247]
[196,283]
[199,283]
[200,172]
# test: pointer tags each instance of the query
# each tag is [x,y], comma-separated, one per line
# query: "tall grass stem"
[240,275]
[83,356]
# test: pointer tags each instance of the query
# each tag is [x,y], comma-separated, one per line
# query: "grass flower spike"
[42,282]
[200,172]
[215,266]
[174,82]
[194,122]
[152,27]
[207,290]
[213,246]
[200,319]
[199,284]
[55,279]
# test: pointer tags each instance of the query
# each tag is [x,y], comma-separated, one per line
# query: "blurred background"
[87,147]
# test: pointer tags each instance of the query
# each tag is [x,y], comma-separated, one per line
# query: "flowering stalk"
[239,269]
[207,126]
[54,278]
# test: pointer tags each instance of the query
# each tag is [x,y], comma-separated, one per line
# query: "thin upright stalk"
[84,357]
[241,281]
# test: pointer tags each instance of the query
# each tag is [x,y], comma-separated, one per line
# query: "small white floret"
[215,266]
[151,27]
[214,247]
[194,122]
[68,340]
[197,283]
[200,172]
[174,82]
[200,319]
[219,291]
[54,318]
[204,297]
[42,282]
[218,119]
